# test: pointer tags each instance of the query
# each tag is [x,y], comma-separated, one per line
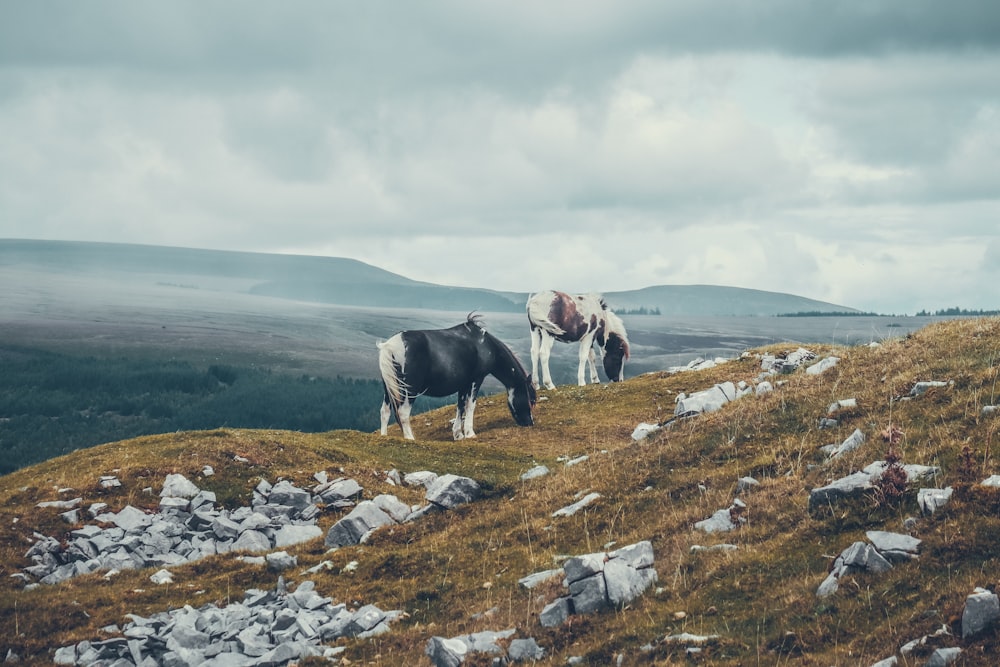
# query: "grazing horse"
[583,317]
[441,362]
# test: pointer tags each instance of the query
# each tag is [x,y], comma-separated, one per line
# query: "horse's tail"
[391,354]
[538,315]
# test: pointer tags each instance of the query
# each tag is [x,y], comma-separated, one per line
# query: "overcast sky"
[843,151]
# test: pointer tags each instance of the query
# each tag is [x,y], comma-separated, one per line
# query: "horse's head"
[615,354]
[521,399]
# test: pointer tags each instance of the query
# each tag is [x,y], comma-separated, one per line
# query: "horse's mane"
[474,319]
[615,325]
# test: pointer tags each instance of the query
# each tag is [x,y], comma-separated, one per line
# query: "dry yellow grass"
[457,572]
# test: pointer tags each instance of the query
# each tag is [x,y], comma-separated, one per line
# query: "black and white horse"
[441,362]
[557,316]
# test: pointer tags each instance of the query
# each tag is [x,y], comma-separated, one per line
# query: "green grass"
[446,570]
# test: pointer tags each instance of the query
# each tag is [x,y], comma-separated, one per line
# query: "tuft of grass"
[457,572]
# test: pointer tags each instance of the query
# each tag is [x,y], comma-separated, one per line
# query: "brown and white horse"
[557,316]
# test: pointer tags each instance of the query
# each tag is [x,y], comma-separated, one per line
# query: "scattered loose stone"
[696,548]
[992,480]
[266,628]
[644,430]
[604,580]
[857,483]
[853,442]
[774,365]
[449,491]
[709,400]
[931,500]
[698,364]
[877,557]
[537,578]
[537,471]
[920,388]
[189,526]
[451,652]
[570,510]
[982,610]
[443,492]
[842,404]
[822,365]
[724,520]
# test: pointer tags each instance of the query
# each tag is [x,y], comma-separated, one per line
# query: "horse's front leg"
[594,377]
[586,355]
[465,409]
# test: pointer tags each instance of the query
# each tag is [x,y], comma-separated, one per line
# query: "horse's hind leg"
[544,354]
[385,412]
[403,417]
[536,346]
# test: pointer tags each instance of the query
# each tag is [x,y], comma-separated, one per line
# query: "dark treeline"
[825,313]
[641,310]
[944,312]
[51,404]
[958,312]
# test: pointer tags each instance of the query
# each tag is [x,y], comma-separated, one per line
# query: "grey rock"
[893,542]
[982,610]
[362,519]
[581,567]
[178,486]
[921,388]
[292,534]
[537,578]
[450,491]
[624,583]
[943,656]
[525,650]
[822,365]
[590,595]
[638,555]
[130,518]
[446,652]
[863,556]
[287,494]
[534,473]
[723,520]
[570,510]
[556,612]
[279,561]
[931,500]
[422,478]
[341,489]
[252,540]
[851,443]
[708,400]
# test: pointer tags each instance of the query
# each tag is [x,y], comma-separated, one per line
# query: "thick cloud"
[842,152]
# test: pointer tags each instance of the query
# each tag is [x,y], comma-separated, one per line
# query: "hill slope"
[457,572]
[348,282]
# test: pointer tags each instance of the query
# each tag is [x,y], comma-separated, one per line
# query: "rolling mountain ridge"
[349,282]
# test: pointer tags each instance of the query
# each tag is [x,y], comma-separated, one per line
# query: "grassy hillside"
[455,573]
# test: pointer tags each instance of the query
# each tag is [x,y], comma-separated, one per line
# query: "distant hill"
[693,300]
[348,282]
